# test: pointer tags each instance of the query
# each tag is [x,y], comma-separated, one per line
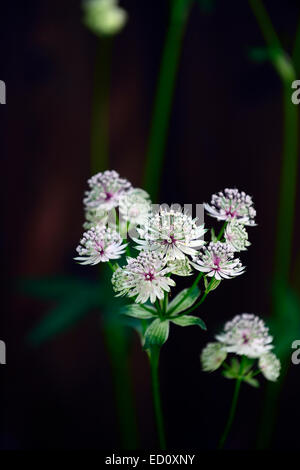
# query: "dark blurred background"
[225,131]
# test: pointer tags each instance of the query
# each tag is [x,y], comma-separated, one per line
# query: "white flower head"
[95,217]
[236,236]
[212,356]
[180,267]
[217,259]
[143,277]
[105,190]
[134,206]
[232,204]
[171,233]
[104,17]
[246,335]
[270,366]
[100,244]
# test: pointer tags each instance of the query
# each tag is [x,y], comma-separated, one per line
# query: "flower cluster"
[232,204]
[100,244]
[246,336]
[172,233]
[105,192]
[236,236]
[143,277]
[169,242]
[217,260]
[104,17]
[134,206]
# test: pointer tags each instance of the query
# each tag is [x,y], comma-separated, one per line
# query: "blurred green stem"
[164,95]
[154,363]
[116,342]
[232,408]
[287,194]
[100,107]
[114,333]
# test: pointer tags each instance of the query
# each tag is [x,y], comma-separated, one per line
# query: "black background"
[225,131]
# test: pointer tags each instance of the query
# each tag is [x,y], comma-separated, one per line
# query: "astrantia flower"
[246,335]
[104,17]
[217,259]
[171,233]
[100,244]
[212,356]
[95,217]
[236,236]
[143,277]
[270,366]
[232,205]
[106,190]
[180,267]
[134,206]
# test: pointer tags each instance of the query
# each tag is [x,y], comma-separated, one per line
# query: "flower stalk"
[164,95]
[154,355]
[231,413]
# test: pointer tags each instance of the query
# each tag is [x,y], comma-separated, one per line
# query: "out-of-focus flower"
[232,204]
[171,233]
[212,356]
[217,259]
[236,236]
[270,366]
[134,206]
[105,191]
[95,217]
[143,277]
[104,17]
[246,335]
[100,244]
[180,267]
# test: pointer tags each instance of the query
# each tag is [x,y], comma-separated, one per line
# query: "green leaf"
[137,311]
[251,381]
[211,285]
[229,374]
[54,287]
[157,333]
[188,320]
[213,235]
[61,317]
[178,305]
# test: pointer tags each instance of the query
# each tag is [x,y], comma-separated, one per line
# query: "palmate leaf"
[157,333]
[137,311]
[189,320]
[75,298]
[64,315]
[177,305]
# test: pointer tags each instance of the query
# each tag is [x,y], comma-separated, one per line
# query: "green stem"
[287,191]
[100,107]
[194,307]
[287,194]
[221,231]
[231,413]
[116,342]
[233,405]
[111,266]
[154,363]
[164,95]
